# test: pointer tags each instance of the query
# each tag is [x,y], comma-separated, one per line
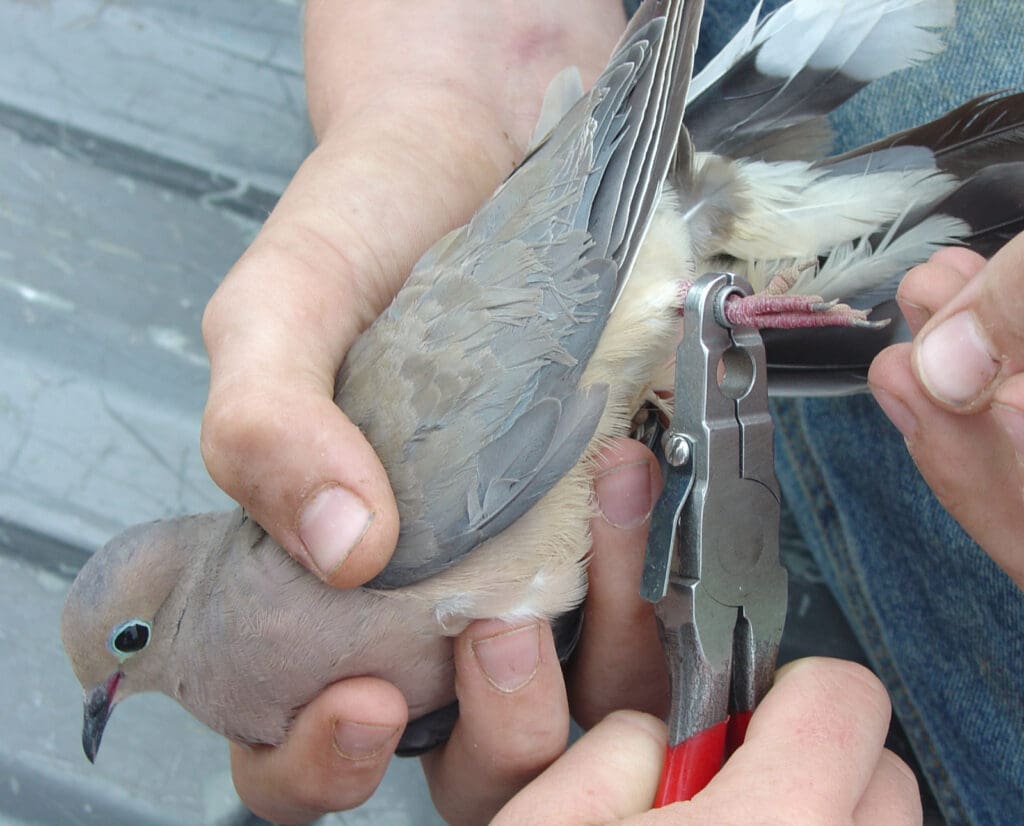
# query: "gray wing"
[468,386]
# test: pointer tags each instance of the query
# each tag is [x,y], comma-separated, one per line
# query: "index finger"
[334,757]
[812,745]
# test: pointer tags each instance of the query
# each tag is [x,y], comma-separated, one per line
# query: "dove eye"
[129,637]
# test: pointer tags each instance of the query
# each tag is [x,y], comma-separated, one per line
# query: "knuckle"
[528,751]
[916,274]
[964,261]
[930,286]
[864,688]
[216,316]
[893,788]
[916,281]
[236,428]
[644,725]
[902,777]
[219,434]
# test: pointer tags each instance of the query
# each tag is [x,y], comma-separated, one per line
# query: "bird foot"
[774,309]
[790,312]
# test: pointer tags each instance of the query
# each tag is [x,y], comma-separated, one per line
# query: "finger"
[619,661]
[927,288]
[811,748]
[972,462]
[892,796]
[965,261]
[513,719]
[1008,409]
[976,341]
[610,773]
[276,331]
[335,755]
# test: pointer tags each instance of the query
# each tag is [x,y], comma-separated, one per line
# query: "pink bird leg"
[774,309]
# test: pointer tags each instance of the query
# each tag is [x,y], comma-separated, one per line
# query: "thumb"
[974,343]
[276,331]
[608,774]
[274,440]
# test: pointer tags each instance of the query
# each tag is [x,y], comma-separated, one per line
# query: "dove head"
[124,609]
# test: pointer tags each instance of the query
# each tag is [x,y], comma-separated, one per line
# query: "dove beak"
[99,702]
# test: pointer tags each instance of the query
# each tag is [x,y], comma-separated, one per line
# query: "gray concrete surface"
[141,143]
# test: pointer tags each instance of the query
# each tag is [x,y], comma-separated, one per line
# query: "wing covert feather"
[468,386]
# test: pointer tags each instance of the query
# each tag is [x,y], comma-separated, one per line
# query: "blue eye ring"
[129,638]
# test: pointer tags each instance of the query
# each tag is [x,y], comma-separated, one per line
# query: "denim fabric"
[941,624]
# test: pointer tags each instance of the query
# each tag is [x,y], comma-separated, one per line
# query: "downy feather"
[983,131]
[797,211]
[853,270]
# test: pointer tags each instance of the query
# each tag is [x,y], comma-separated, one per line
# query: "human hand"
[957,392]
[514,712]
[813,754]
[410,142]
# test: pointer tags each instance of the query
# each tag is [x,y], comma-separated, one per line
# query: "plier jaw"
[712,565]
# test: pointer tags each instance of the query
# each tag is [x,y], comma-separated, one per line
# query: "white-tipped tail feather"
[864,40]
[765,95]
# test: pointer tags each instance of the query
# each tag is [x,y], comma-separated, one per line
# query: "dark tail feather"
[983,142]
[984,131]
[992,203]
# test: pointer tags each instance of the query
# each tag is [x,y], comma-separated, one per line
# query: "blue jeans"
[941,624]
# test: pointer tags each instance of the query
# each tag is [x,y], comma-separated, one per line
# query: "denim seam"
[831,538]
[856,600]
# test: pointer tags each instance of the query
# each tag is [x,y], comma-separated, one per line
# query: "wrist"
[500,54]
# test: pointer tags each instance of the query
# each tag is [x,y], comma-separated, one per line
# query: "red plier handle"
[690,765]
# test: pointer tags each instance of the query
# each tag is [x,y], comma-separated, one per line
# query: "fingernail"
[509,659]
[954,361]
[331,525]
[1012,421]
[361,741]
[915,315]
[624,494]
[899,414]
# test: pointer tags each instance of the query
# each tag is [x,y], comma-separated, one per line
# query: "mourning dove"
[524,340]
